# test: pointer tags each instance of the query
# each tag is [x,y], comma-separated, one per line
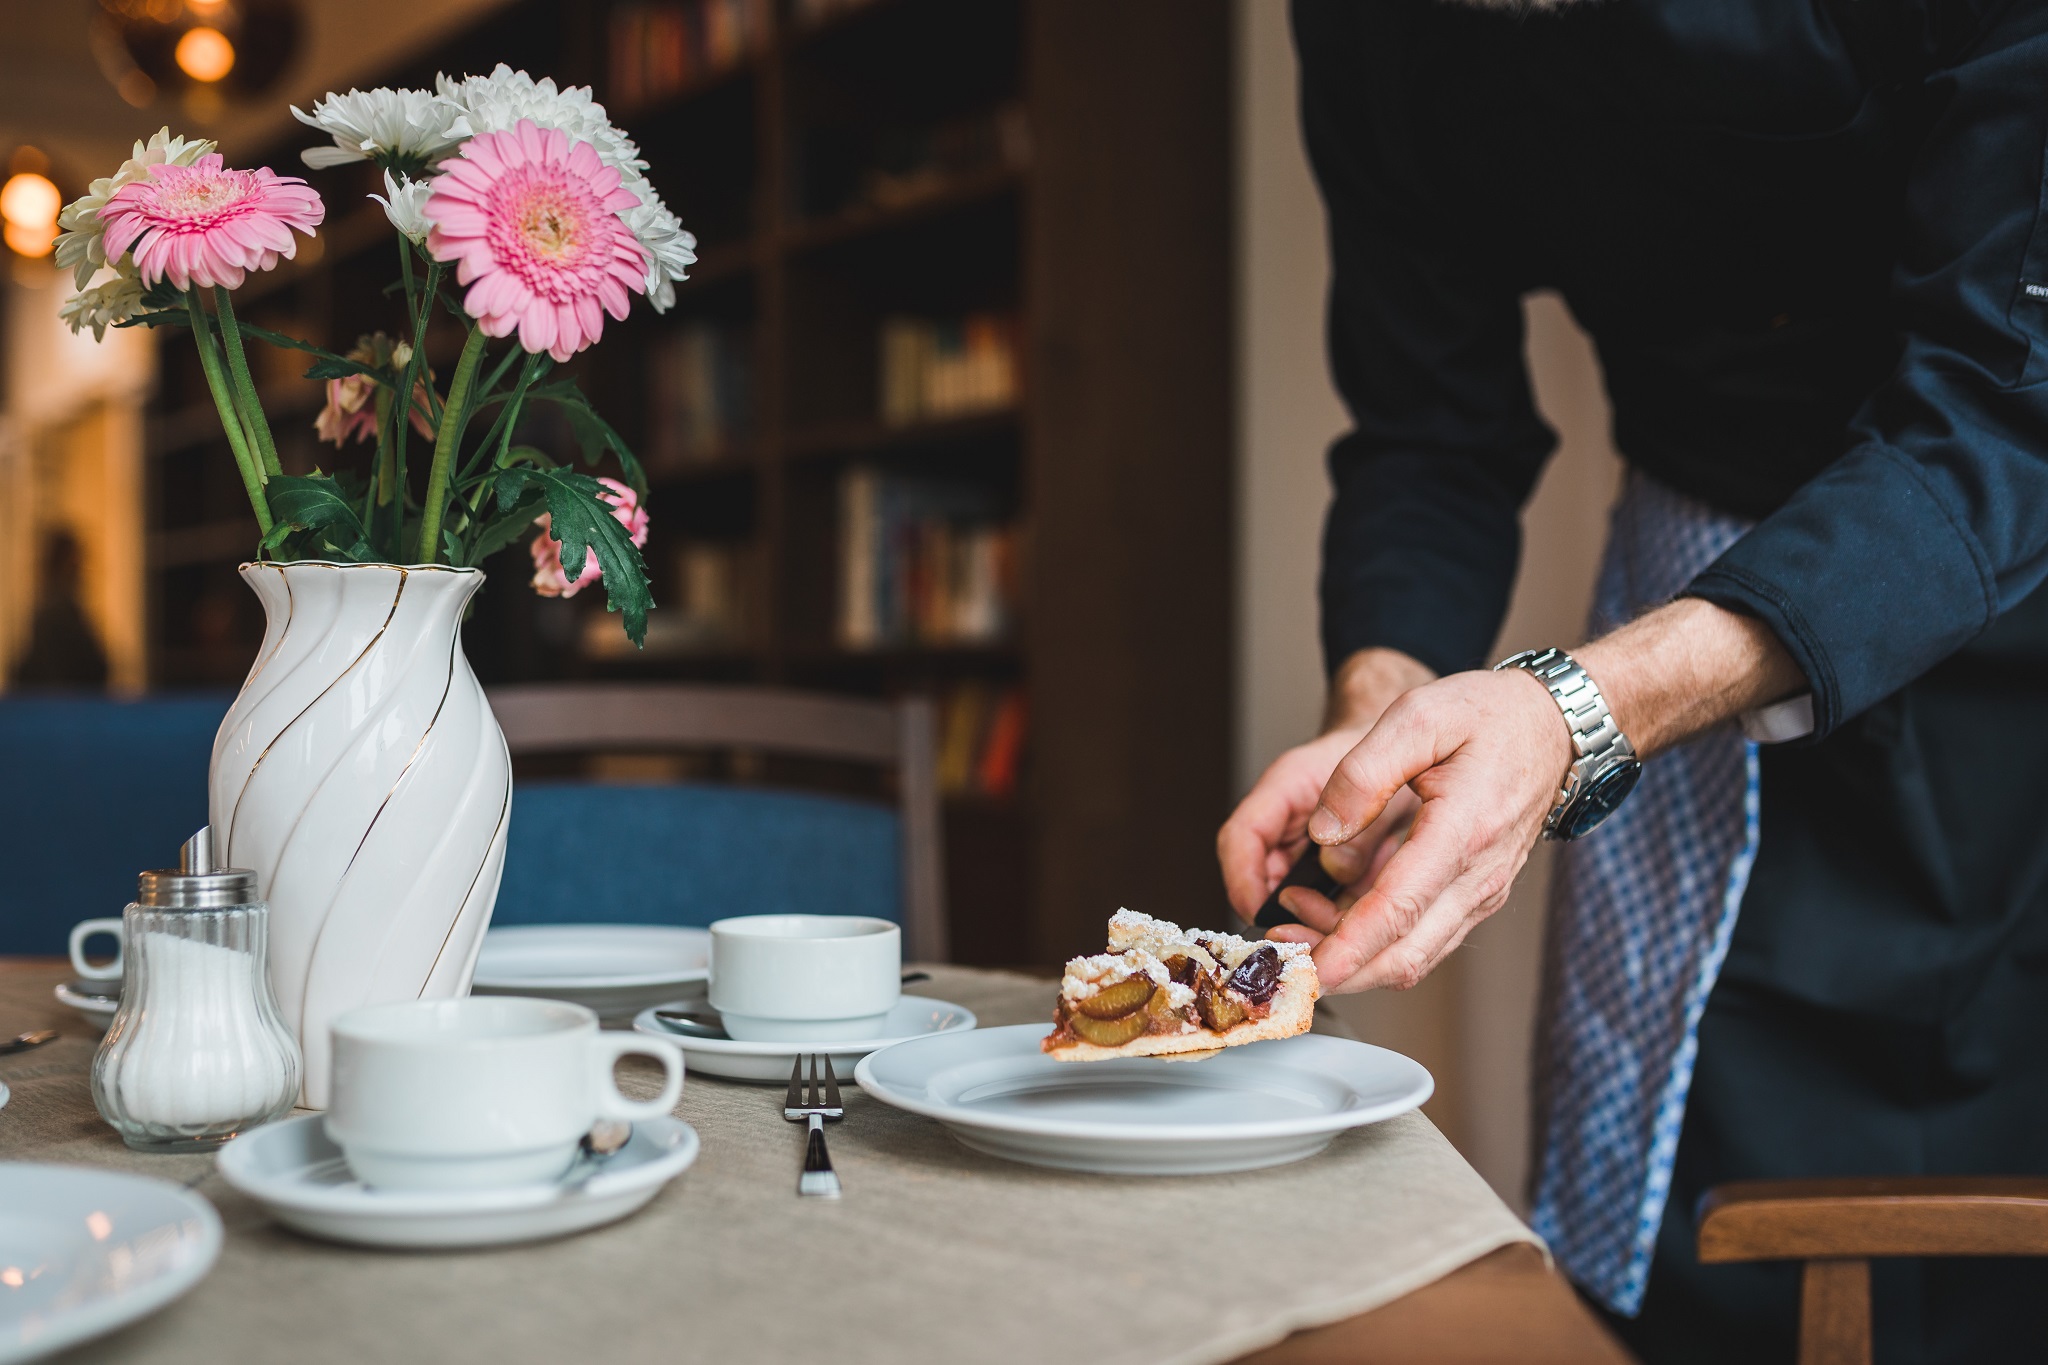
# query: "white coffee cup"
[479,1093]
[98,971]
[805,978]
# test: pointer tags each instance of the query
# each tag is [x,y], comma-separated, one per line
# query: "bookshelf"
[971,258]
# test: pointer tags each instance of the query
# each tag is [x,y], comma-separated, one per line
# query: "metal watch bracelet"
[1599,747]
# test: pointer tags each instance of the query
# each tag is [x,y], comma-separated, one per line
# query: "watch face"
[1600,799]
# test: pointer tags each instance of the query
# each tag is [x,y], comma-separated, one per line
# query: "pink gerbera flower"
[533,220]
[204,225]
[549,579]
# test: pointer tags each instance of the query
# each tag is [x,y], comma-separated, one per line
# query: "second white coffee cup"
[805,978]
[99,971]
[479,1093]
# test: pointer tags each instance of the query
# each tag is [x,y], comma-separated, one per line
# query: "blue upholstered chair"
[689,853]
[93,791]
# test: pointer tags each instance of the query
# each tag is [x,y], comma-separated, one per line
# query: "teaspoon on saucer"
[28,1040]
[706,1022]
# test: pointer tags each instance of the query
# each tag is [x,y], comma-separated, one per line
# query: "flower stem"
[245,386]
[230,420]
[410,381]
[453,414]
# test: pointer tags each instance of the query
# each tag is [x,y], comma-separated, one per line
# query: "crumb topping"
[1087,975]
[1141,945]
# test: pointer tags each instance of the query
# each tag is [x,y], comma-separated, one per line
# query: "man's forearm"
[1685,667]
[1367,683]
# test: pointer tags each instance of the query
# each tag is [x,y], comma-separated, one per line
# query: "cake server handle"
[1308,870]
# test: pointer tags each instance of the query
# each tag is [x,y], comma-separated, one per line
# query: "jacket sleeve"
[1423,534]
[1936,519]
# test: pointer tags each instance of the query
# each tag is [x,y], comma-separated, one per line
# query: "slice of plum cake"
[1164,991]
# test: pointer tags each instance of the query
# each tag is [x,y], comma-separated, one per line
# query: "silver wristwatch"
[1606,767]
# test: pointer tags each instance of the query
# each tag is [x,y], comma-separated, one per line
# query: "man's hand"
[1269,828]
[1487,753]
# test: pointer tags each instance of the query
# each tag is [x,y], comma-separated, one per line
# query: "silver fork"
[816,1108]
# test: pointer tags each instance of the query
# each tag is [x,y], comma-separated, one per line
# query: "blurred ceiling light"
[205,54]
[29,204]
[214,50]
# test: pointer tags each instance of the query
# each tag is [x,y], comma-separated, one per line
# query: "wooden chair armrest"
[1787,1220]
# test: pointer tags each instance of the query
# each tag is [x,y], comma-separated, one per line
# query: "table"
[1505,1305]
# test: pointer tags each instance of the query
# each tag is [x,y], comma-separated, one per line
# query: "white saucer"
[915,1016]
[83,1251]
[616,969]
[97,1010]
[297,1173]
[1260,1104]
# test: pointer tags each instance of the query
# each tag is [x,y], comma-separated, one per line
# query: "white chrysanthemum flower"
[670,249]
[81,247]
[111,301]
[495,104]
[407,198]
[366,125]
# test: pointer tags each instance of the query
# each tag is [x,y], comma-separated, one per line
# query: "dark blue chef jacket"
[1808,238]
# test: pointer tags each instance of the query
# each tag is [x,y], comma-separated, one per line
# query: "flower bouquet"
[522,196]
[360,772]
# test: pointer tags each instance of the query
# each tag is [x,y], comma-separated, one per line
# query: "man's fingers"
[1244,853]
[1402,746]
[1311,907]
[1414,878]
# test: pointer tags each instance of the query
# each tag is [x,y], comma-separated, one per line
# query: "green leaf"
[593,434]
[340,367]
[582,521]
[320,506]
[508,525]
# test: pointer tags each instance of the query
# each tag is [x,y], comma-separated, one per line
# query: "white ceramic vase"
[363,778]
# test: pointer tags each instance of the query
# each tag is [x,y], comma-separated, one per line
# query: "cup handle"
[84,930]
[613,1105]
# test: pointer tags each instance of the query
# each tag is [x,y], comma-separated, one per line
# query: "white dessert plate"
[297,1173]
[84,1251]
[97,1010]
[1260,1104]
[616,969]
[915,1016]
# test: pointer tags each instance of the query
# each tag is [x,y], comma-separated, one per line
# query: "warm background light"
[29,204]
[205,54]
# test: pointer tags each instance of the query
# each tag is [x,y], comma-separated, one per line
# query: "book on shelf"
[922,562]
[804,13]
[932,369]
[700,393]
[662,47]
[981,740]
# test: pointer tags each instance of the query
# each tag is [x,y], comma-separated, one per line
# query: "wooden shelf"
[739,463]
[871,436]
[748,66]
[723,260]
[864,220]
[197,423]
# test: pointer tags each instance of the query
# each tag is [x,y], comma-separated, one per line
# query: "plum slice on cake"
[1164,991]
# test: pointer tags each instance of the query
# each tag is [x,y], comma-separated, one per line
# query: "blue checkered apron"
[1640,919]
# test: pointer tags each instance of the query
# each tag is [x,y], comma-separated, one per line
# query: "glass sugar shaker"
[198,1051]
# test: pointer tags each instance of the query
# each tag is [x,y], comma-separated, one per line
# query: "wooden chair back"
[1836,1226]
[542,718]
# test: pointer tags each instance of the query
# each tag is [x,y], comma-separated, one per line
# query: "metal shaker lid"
[195,883]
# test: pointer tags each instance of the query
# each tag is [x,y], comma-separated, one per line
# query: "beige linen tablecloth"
[935,1254]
